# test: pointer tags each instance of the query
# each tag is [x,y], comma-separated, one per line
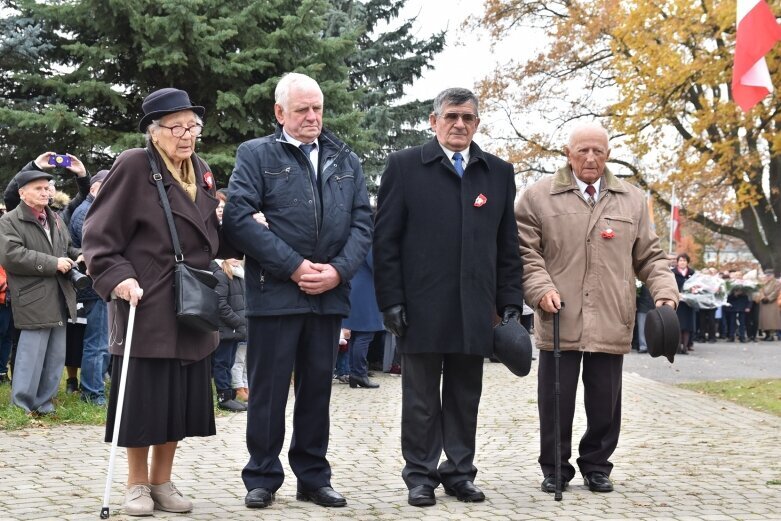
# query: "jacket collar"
[28,214]
[329,144]
[564,181]
[432,152]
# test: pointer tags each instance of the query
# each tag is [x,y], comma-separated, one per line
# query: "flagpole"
[672,223]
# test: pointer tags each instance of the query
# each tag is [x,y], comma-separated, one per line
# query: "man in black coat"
[446,263]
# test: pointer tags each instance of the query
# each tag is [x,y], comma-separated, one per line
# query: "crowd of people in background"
[750,312]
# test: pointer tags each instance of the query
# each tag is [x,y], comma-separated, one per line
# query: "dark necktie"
[42,220]
[307,150]
[458,163]
[590,190]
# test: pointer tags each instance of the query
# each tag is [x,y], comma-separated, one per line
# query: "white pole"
[104,512]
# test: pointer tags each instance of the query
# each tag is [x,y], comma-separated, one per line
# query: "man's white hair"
[287,82]
[587,126]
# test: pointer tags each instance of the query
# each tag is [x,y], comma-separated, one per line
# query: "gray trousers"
[40,359]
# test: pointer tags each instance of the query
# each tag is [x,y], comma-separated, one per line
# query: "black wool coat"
[447,248]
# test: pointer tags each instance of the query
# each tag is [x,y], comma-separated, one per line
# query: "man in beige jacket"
[585,235]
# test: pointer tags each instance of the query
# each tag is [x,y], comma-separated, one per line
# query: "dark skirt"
[686,317]
[165,401]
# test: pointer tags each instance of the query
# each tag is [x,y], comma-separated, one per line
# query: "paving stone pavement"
[681,456]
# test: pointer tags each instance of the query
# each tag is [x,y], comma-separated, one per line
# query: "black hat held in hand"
[513,347]
[166,101]
[662,332]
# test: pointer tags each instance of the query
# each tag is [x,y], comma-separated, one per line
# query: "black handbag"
[197,304]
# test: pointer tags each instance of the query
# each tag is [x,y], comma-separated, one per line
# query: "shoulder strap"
[178,257]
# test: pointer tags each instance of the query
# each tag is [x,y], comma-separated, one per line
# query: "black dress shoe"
[549,483]
[362,381]
[323,496]
[422,496]
[259,498]
[465,491]
[598,482]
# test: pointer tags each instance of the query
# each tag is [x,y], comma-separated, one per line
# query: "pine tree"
[73,74]
[79,90]
[383,64]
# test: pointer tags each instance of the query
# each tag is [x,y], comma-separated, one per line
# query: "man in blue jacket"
[95,357]
[311,188]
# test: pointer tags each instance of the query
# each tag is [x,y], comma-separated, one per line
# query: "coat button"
[205,248]
[39,267]
[309,201]
[60,322]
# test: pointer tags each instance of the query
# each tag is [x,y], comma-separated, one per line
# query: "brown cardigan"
[125,235]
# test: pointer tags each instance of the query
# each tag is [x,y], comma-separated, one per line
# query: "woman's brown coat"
[126,236]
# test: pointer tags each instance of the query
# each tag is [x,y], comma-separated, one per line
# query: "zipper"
[262,279]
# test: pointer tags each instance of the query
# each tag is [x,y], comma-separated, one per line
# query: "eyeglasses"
[451,117]
[178,130]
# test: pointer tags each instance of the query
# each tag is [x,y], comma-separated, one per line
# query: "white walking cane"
[104,512]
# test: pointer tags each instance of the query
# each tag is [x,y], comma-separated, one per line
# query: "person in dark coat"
[311,188]
[94,347]
[446,263]
[364,322]
[128,248]
[37,254]
[233,329]
[686,315]
[645,303]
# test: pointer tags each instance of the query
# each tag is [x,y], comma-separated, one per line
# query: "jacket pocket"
[343,188]
[281,186]
[32,293]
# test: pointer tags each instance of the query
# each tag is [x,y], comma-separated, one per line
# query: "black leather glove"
[511,313]
[395,320]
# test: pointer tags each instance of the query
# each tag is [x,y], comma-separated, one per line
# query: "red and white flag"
[676,223]
[757,32]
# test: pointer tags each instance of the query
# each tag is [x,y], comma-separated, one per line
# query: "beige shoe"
[167,497]
[242,393]
[138,501]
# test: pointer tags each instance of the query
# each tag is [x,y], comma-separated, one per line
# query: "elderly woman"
[682,273]
[128,248]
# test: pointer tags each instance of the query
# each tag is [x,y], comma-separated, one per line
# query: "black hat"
[166,101]
[25,176]
[99,177]
[662,332]
[513,347]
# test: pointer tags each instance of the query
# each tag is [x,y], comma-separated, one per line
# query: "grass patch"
[70,411]
[760,395]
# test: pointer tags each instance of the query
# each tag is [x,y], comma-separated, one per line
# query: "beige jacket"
[591,258]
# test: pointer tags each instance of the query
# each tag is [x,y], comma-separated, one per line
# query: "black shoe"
[72,385]
[465,491]
[259,498]
[323,496]
[422,496]
[362,381]
[598,482]
[226,402]
[232,405]
[4,378]
[549,484]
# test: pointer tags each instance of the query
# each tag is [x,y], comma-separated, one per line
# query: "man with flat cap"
[36,252]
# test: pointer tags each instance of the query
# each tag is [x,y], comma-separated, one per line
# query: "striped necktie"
[590,190]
